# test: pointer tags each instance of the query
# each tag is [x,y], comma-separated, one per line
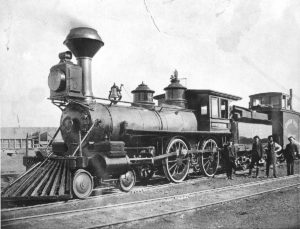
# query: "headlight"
[56,80]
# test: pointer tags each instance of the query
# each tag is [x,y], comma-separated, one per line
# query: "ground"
[276,210]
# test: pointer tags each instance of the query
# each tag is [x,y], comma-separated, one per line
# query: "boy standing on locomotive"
[272,150]
[291,151]
[229,158]
[257,152]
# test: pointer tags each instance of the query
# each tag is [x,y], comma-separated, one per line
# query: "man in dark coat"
[229,158]
[256,155]
[291,150]
[272,150]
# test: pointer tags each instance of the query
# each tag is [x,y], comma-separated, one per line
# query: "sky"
[240,47]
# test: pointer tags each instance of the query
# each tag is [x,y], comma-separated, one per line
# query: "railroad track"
[113,214]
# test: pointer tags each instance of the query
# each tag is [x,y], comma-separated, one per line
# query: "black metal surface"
[83,42]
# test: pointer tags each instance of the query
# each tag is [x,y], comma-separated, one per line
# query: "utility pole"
[18,120]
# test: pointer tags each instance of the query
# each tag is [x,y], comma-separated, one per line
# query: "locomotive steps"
[143,207]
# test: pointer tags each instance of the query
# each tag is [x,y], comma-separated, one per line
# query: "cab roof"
[215,93]
[204,91]
[268,94]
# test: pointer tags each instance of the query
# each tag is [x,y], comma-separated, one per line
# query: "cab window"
[214,107]
[275,100]
[224,108]
[203,109]
[284,102]
[257,101]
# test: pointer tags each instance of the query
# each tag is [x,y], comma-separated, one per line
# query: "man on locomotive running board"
[229,158]
[256,155]
[272,150]
[291,150]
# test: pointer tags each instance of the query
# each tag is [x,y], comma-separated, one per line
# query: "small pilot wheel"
[176,167]
[127,180]
[82,184]
[210,157]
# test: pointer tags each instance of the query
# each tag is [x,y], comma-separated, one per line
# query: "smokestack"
[291,99]
[84,43]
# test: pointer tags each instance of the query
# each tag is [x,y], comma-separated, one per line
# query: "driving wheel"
[176,167]
[210,157]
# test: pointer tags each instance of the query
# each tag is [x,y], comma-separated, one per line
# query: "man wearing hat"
[229,158]
[291,150]
[272,150]
[257,153]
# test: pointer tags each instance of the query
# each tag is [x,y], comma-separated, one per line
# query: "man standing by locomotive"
[272,150]
[229,158]
[291,150]
[257,152]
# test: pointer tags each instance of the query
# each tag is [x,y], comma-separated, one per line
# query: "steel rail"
[161,199]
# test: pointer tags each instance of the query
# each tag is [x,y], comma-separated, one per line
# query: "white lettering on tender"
[289,122]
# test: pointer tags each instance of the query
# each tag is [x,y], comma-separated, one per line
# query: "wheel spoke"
[208,165]
[172,167]
[145,173]
[205,163]
[176,169]
[180,168]
[173,148]
[172,164]
[171,161]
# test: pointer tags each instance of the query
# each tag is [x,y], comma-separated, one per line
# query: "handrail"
[89,131]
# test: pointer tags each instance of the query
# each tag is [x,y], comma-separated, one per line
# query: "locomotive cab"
[211,108]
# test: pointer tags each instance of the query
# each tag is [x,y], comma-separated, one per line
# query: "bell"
[113,93]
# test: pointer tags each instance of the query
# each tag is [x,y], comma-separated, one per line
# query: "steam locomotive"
[117,141]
